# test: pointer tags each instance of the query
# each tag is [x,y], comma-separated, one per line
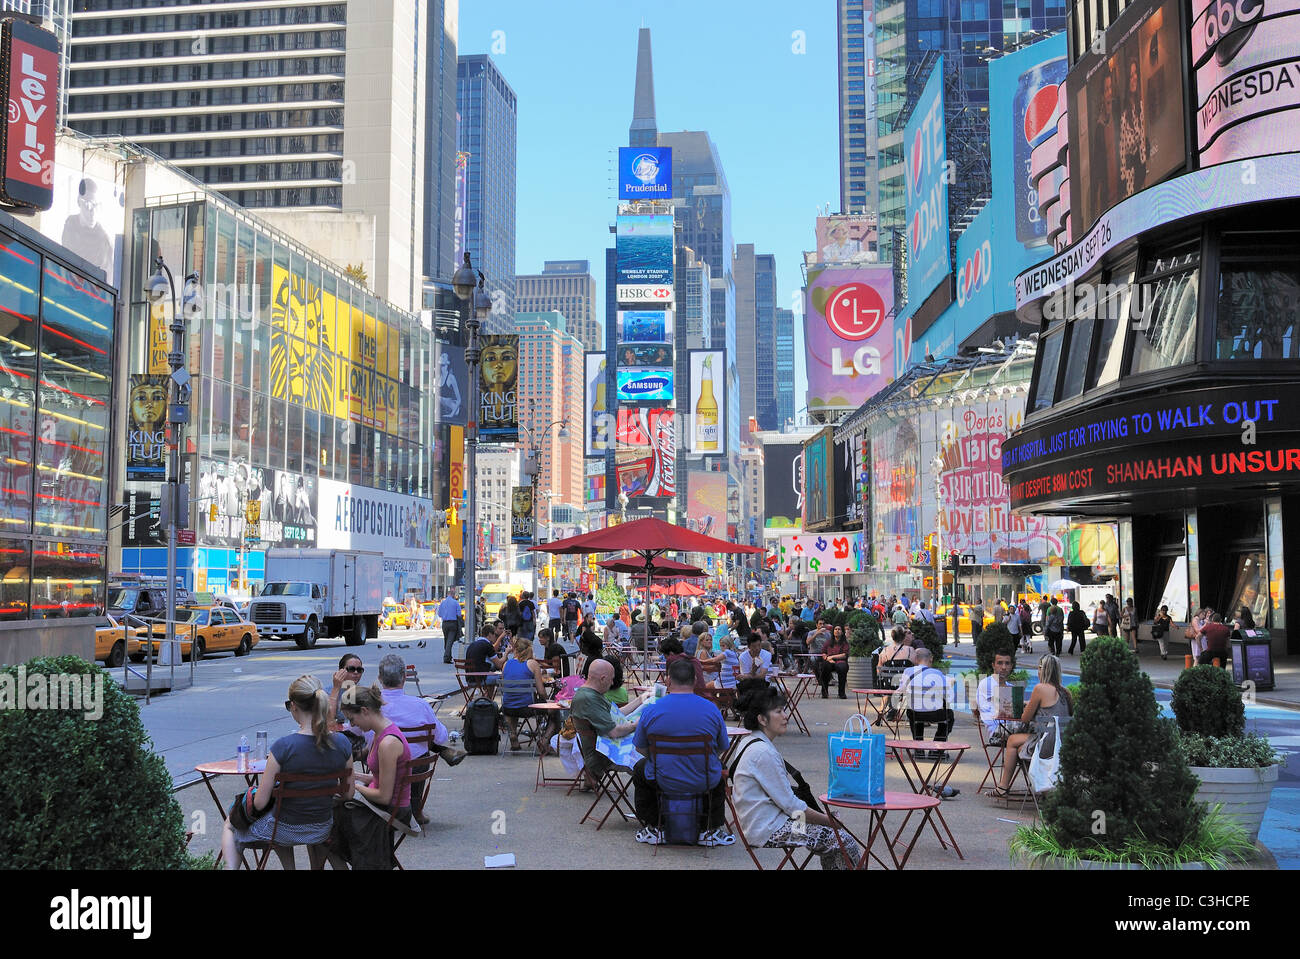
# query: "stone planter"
[1243,792]
[1058,863]
[859,673]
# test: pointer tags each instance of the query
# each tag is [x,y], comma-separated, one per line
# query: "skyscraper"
[300,111]
[440,139]
[857,60]
[566,286]
[551,391]
[644,131]
[488,111]
[743,272]
[784,388]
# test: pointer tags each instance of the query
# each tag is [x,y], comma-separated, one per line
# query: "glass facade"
[301,378]
[56,395]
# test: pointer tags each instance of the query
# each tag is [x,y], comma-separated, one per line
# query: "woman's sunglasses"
[355,669]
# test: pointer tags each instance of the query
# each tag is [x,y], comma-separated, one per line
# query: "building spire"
[643,132]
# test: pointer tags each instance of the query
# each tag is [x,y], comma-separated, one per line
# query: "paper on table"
[505,860]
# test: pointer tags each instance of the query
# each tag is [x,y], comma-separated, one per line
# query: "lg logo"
[855,311]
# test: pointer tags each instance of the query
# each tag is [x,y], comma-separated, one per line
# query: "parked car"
[114,642]
[217,630]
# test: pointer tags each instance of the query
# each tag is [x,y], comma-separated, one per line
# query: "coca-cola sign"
[653,475]
[29,73]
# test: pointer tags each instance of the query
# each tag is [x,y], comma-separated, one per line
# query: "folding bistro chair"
[786,860]
[529,724]
[992,752]
[421,776]
[316,785]
[680,831]
[612,785]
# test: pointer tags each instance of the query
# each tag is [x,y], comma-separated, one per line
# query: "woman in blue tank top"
[523,684]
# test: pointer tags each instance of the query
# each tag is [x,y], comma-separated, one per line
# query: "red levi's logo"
[849,758]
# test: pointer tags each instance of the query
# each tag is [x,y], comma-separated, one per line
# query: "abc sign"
[855,311]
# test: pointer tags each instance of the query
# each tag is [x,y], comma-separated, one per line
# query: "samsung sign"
[639,385]
[645,174]
[1260,180]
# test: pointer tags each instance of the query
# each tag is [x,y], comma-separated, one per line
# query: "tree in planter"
[1124,781]
[927,636]
[995,639]
[864,634]
[84,793]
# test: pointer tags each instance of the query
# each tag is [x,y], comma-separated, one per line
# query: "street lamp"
[533,467]
[468,285]
[175,498]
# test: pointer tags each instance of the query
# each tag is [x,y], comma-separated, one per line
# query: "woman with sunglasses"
[311,748]
[349,671]
[1049,700]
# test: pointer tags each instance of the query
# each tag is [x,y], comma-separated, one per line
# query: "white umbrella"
[1063,584]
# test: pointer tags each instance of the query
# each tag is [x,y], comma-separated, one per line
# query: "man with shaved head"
[589,703]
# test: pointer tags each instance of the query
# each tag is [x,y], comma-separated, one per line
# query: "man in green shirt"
[589,703]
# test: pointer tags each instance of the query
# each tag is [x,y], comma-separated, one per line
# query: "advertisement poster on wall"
[706,404]
[819,484]
[1247,78]
[896,495]
[285,505]
[783,486]
[522,520]
[820,554]
[88,216]
[848,335]
[925,155]
[706,501]
[654,474]
[1125,111]
[453,384]
[593,482]
[638,427]
[498,378]
[597,406]
[644,326]
[146,440]
[644,386]
[357,517]
[645,250]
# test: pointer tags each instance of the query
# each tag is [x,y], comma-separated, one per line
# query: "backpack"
[526,611]
[482,733]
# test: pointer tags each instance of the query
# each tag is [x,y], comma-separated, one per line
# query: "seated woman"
[770,813]
[1050,699]
[710,663]
[387,784]
[522,685]
[311,748]
[730,663]
[834,662]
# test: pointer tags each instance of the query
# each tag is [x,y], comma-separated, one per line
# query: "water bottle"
[241,755]
[259,753]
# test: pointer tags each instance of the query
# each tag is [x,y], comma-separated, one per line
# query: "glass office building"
[312,399]
[56,401]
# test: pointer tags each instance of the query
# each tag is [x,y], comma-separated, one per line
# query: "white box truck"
[310,593]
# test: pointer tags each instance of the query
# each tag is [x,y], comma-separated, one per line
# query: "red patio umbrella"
[661,569]
[649,538]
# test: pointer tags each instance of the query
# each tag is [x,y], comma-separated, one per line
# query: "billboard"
[849,239]
[819,488]
[522,521]
[657,356]
[644,326]
[146,442]
[706,409]
[644,386]
[706,501]
[498,378]
[653,474]
[357,517]
[1247,78]
[810,553]
[87,214]
[783,486]
[1024,112]
[925,155]
[453,383]
[1126,111]
[596,404]
[645,249]
[848,335]
[284,504]
[645,173]
[29,73]
[593,485]
[637,427]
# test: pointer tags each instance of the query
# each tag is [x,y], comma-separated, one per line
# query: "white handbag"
[1043,773]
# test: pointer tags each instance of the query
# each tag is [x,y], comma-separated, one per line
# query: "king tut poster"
[498,379]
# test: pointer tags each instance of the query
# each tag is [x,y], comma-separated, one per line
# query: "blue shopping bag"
[857,763]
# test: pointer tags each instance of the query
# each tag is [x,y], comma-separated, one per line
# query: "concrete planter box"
[1058,863]
[1243,792]
[859,673]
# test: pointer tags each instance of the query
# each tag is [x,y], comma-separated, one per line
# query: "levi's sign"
[29,73]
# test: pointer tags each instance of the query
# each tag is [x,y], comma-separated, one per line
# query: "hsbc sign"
[644,293]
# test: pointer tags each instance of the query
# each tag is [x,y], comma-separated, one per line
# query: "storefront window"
[1259,308]
[1165,313]
[20,279]
[15,578]
[67,580]
[1194,603]
[1250,588]
[1076,363]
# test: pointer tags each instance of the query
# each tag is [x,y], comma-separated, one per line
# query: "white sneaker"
[650,836]
[718,837]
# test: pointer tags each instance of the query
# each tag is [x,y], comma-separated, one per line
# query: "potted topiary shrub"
[995,639]
[1236,769]
[864,638]
[927,636]
[1125,798]
[84,791]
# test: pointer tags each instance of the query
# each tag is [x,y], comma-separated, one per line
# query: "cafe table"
[879,709]
[929,781]
[210,772]
[558,708]
[894,802]
[793,696]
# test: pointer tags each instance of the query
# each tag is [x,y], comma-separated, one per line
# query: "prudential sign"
[926,154]
[645,173]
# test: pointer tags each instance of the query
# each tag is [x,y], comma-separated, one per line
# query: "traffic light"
[212,512]
[451,516]
[591,561]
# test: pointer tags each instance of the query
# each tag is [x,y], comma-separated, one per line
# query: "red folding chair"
[421,775]
[612,785]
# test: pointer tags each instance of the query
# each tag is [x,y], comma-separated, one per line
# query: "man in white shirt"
[755,661]
[589,609]
[988,694]
[925,614]
[924,693]
[555,612]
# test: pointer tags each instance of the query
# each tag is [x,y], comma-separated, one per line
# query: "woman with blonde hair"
[389,759]
[1049,701]
[712,664]
[311,748]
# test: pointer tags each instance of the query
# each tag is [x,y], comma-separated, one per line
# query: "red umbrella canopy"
[660,568]
[649,537]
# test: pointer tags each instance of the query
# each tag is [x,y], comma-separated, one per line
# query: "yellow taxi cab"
[216,629]
[394,616]
[114,642]
[430,612]
[963,617]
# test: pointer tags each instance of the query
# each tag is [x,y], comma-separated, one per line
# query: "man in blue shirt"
[449,612]
[681,713]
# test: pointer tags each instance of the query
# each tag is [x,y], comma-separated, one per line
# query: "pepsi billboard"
[645,173]
[925,153]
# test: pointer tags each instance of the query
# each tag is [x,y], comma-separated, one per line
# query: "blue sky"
[727,68]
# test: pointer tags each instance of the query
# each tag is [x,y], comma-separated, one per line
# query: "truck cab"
[290,610]
[325,593]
